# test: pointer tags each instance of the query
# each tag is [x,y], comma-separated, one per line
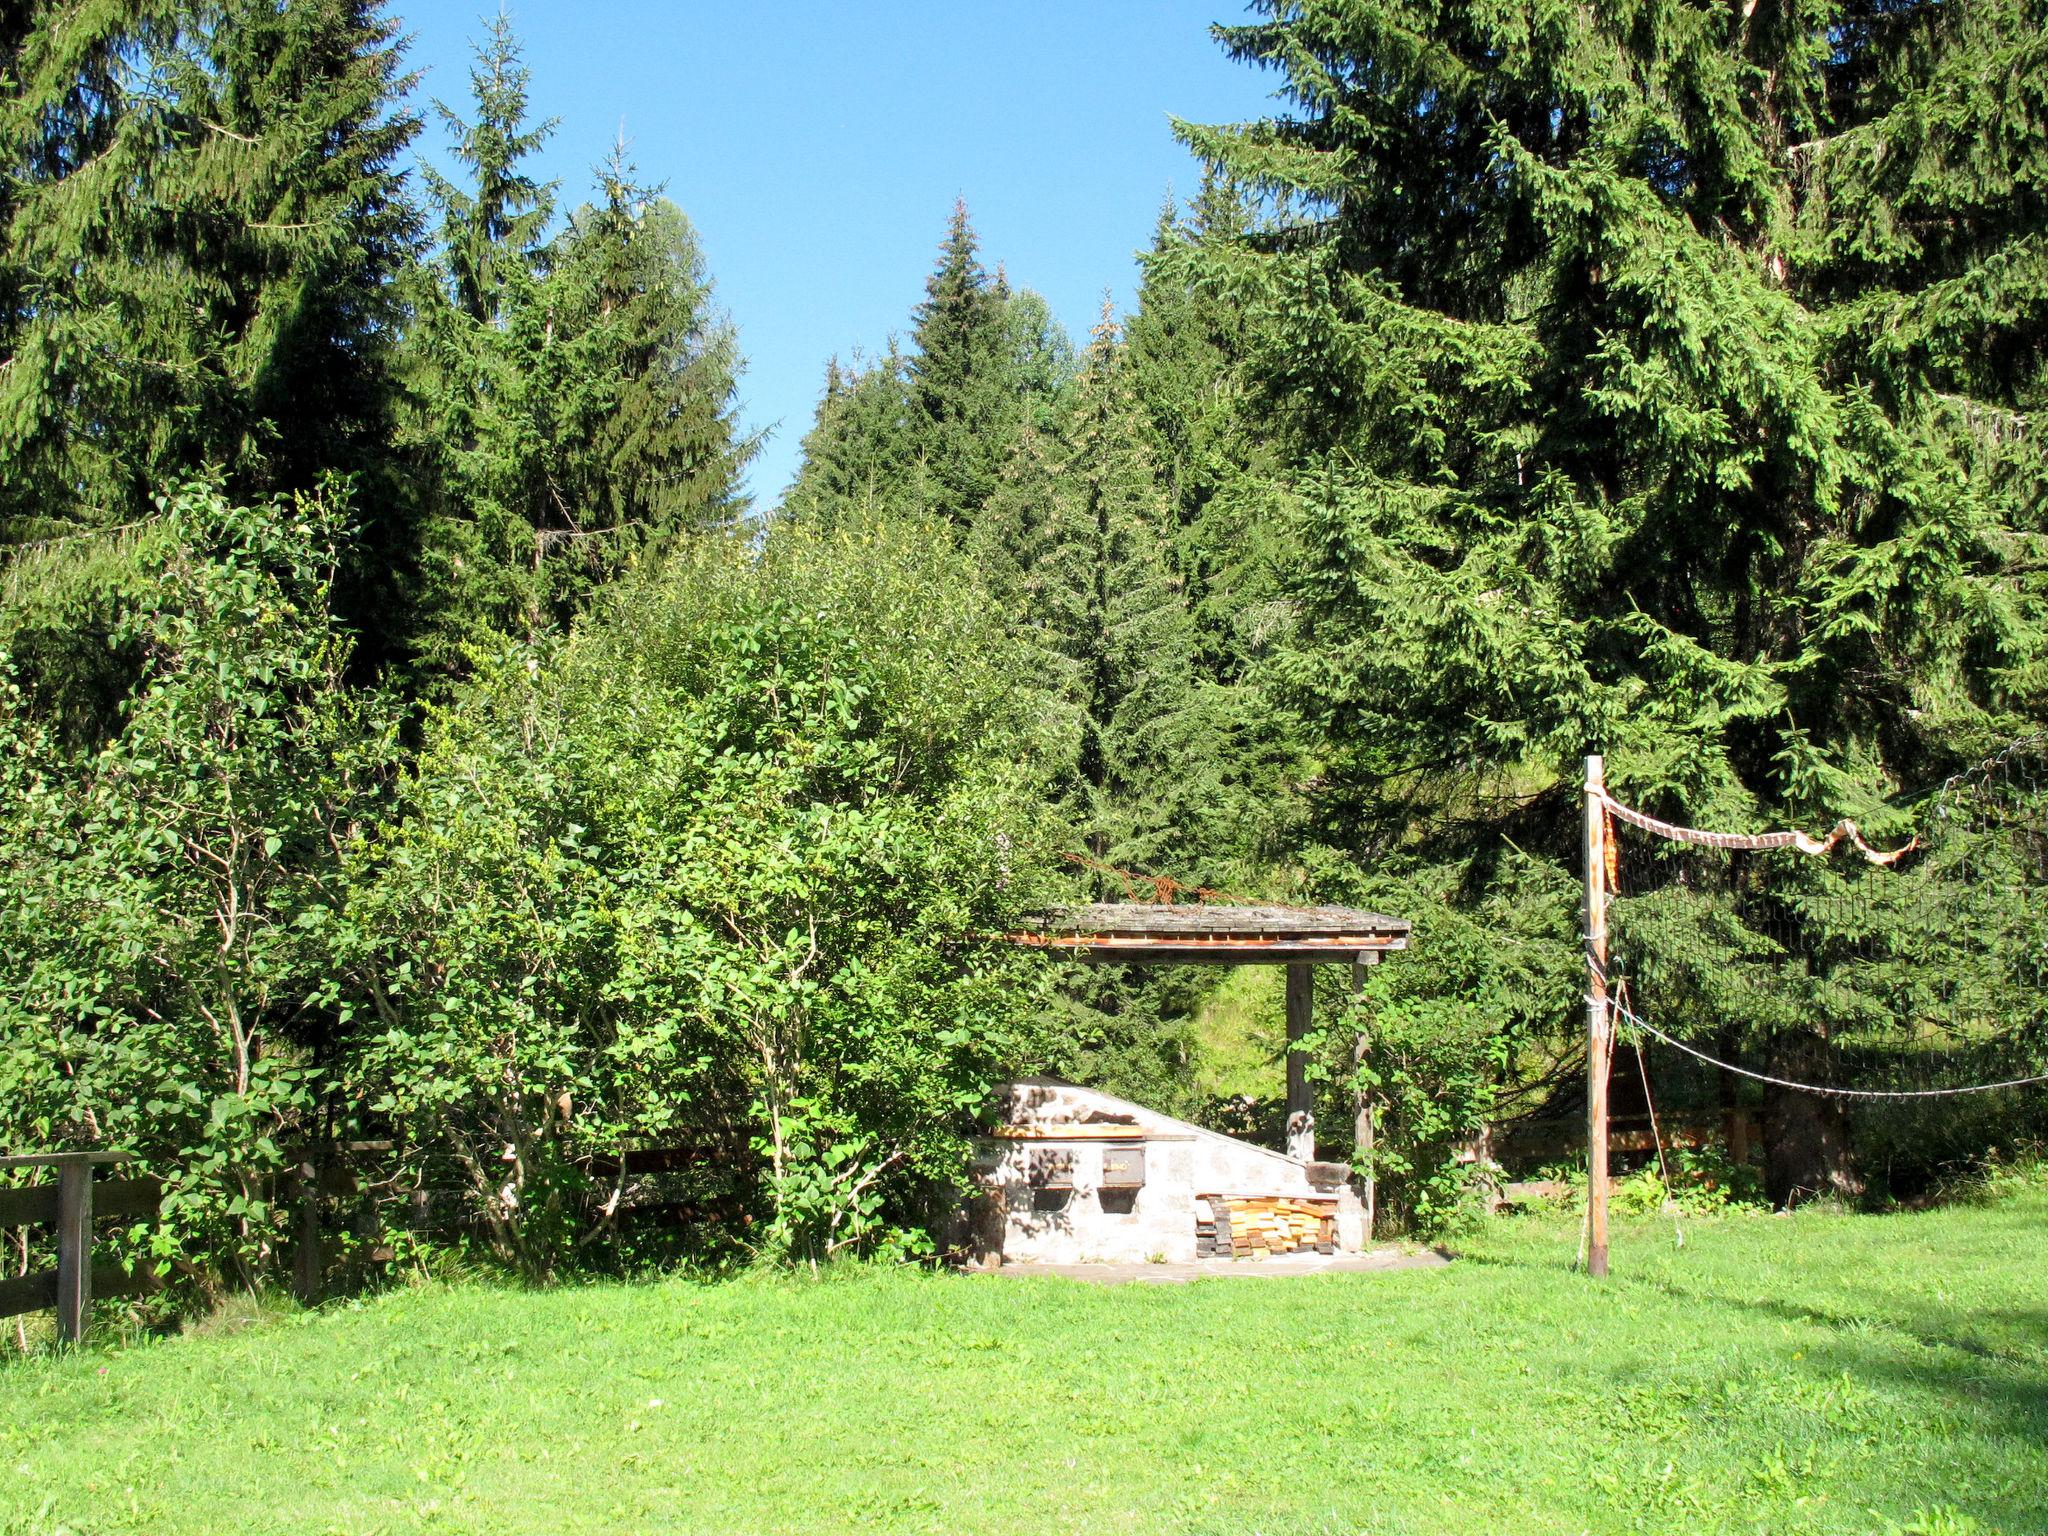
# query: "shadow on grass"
[1988,1390]
[1997,1399]
[1986,1367]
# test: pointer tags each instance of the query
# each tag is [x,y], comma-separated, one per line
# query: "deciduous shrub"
[719,874]
[164,987]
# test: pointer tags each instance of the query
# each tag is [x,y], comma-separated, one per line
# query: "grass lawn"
[1812,1373]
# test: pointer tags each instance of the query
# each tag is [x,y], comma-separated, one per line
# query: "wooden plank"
[1599,1022]
[1152,951]
[1301,1096]
[62,1159]
[126,1198]
[74,1250]
[28,1293]
[309,1262]
[29,1207]
[665,1159]
[1363,1131]
[1214,919]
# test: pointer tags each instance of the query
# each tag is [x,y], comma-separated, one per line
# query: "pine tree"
[204,215]
[1187,345]
[927,433]
[1077,542]
[474,359]
[505,219]
[859,458]
[572,397]
[1655,384]
[985,356]
[667,455]
[958,338]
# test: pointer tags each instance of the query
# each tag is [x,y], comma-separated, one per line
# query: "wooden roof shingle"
[1162,932]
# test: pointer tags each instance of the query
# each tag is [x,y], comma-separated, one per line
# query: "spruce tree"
[505,219]
[928,432]
[667,454]
[204,214]
[1187,346]
[1656,383]
[984,356]
[572,398]
[1076,542]
[471,354]
[958,337]
[859,459]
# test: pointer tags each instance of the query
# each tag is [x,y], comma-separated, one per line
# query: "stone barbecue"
[1074,1175]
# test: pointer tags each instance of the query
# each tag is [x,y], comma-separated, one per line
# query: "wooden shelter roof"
[1123,933]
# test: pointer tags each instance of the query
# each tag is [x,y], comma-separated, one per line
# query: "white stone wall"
[1182,1163]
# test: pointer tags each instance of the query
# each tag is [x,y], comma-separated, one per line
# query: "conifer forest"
[421,755]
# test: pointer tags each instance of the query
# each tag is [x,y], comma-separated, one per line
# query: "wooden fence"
[336,1188]
[71,1205]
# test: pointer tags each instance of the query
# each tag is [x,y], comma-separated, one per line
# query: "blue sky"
[818,148]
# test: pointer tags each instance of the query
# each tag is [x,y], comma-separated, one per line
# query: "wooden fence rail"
[70,1205]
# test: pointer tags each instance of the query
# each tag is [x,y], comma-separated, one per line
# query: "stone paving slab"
[1274,1268]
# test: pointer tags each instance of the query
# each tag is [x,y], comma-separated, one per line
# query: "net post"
[1599,1020]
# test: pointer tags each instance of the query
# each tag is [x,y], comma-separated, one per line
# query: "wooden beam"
[126,1197]
[74,1250]
[1301,1103]
[309,1269]
[1363,1130]
[30,1207]
[28,1293]
[62,1159]
[1154,951]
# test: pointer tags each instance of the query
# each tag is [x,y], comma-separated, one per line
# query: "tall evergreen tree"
[204,212]
[668,453]
[1077,542]
[928,432]
[572,397]
[954,391]
[1656,383]
[200,264]
[505,219]
[859,459]
[1187,346]
[985,356]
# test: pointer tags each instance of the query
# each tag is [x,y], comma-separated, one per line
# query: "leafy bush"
[162,891]
[1452,1027]
[719,874]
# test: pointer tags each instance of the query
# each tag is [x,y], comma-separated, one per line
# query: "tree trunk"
[1807,1152]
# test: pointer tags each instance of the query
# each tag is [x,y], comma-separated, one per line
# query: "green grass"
[1241,1030]
[1812,1373]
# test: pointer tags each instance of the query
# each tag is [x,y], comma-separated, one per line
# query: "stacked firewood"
[1246,1227]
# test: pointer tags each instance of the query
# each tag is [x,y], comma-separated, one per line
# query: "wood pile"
[1253,1227]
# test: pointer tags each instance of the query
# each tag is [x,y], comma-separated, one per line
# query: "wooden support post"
[307,1269]
[1364,1131]
[1599,1020]
[1301,1103]
[74,1248]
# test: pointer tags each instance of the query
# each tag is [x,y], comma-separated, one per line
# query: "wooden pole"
[1599,1021]
[74,1248]
[307,1268]
[1301,1104]
[1363,1128]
